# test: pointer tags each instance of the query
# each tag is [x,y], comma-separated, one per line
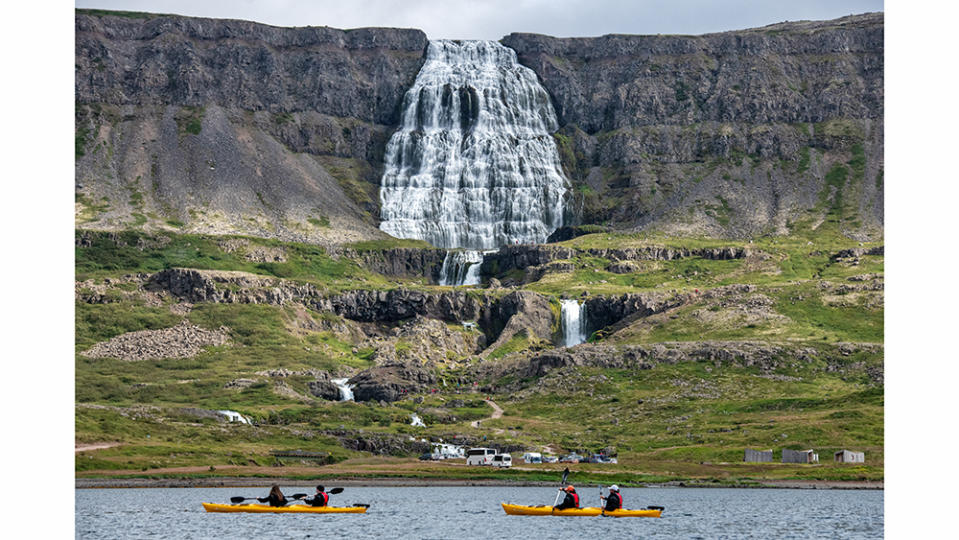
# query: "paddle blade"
[237,499]
[334,491]
[298,496]
[360,504]
[565,475]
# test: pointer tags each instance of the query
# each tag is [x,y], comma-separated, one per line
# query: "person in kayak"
[614,501]
[571,500]
[320,498]
[275,498]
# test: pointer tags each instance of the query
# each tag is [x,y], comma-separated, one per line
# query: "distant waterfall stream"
[574,322]
[346,390]
[473,165]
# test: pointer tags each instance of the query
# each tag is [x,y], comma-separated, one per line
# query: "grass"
[674,422]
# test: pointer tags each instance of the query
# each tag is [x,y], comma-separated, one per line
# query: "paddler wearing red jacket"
[571,500]
[615,500]
[320,498]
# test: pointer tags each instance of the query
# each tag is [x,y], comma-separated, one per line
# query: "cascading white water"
[416,421]
[234,416]
[346,390]
[473,164]
[461,268]
[574,322]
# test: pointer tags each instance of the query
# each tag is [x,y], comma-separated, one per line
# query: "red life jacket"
[618,498]
[575,498]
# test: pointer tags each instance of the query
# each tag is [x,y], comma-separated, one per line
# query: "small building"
[800,456]
[758,456]
[848,456]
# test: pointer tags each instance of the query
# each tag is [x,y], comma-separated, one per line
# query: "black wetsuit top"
[571,501]
[320,499]
[273,500]
[614,501]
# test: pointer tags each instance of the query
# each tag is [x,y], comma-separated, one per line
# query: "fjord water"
[473,164]
[475,512]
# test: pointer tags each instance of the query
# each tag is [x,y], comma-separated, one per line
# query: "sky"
[493,19]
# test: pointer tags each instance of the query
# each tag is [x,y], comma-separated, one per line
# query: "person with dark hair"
[570,501]
[275,498]
[320,498]
[615,500]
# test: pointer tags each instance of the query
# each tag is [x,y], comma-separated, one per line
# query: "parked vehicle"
[572,458]
[502,460]
[550,459]
[533,457]
[480,456]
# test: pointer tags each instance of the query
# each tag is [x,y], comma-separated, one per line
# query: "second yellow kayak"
[542,510]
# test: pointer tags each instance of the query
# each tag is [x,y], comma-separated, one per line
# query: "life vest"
[325,498]
[575,499]
[619,499]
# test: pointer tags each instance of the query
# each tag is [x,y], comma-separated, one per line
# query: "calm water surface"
[475,512]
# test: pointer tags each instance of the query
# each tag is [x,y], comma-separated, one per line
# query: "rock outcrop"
[181,341]
[390,382]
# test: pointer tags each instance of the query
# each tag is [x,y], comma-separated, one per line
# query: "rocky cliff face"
[218,125]
[732,133]
[225,126]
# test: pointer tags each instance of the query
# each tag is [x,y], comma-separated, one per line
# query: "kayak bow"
[296,509]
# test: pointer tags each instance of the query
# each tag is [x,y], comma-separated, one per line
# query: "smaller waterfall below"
[416,421]
[574,322]
[234,416]
[346,390]
[461,268]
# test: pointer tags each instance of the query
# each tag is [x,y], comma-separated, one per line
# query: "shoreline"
[106,483]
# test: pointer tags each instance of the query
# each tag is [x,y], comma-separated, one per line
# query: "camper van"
[502,460]
[533,457]
[480,456]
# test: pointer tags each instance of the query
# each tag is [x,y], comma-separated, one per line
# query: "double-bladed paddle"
[563,482]
[294,497]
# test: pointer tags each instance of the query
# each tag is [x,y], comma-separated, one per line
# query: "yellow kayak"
[542,510]
[295,509]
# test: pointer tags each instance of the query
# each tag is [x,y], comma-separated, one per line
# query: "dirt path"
[497,413]
[95,446]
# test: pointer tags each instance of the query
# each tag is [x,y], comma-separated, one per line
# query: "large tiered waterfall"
[473,164]
[574,322]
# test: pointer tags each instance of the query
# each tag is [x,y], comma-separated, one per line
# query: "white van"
[502,460]
[533,457]
[480,456]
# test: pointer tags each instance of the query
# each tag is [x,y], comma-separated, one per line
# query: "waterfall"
[346,390]
[416,421]
[574,322]
[461,268]
[473,164]
[234,416]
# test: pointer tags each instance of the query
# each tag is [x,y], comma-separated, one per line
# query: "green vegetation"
[686,421]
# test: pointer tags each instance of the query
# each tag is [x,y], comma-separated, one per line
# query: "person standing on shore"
[321,498]
[275,498]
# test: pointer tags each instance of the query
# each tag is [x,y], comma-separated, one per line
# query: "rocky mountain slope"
[226,126]
[233,126]
[736,133]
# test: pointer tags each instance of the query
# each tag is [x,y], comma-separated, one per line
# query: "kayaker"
[615,499]
[570,501]
[275,498]
[320,498]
